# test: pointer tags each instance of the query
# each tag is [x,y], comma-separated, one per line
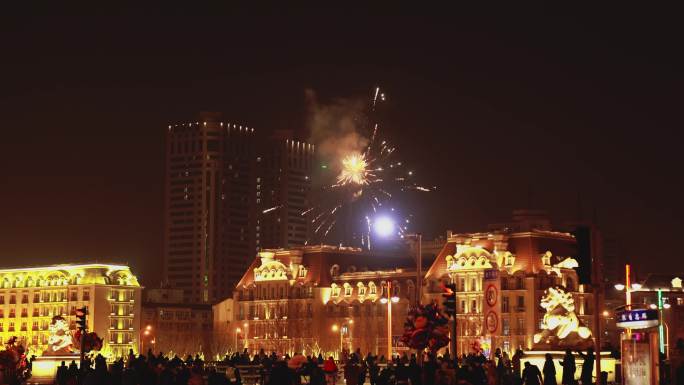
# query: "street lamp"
[627,287]
[349,332]
[237,331]
[335,329]
[144,333]
[389,299]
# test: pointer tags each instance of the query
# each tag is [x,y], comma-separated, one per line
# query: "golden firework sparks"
[354,170]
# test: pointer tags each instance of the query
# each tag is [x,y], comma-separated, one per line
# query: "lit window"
[347,291]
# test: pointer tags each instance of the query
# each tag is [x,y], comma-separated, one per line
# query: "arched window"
[335,290]
[347,290]
[334,270]
[362,289]
[372,289]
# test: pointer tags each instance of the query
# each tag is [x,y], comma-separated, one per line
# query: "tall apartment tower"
[283,189]
[221,178]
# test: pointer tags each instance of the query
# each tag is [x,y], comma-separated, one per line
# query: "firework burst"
[354,171]
[368,183]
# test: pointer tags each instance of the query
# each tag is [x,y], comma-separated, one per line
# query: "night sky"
[502,110]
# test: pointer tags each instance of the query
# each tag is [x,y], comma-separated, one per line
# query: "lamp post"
[384,227]
[237,331]
[389,299]
[663,337]
[335,329]
[245,338]
[349,332]
[627,287]
[144,333]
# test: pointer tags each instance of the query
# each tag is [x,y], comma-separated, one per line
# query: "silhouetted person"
[415,372]
[549,371]
[531,375]
[516,365]
[351,372]
[373,370]
[569,367]
[280,375]
[316,376]
[330,370]
[62,374]
[587,366]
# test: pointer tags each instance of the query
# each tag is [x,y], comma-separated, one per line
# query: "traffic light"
[81,318]
[450,299]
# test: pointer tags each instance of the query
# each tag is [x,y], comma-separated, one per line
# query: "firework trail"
[368,182]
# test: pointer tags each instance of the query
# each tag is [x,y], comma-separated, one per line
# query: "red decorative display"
[90,343]
[13,362]
[426,328]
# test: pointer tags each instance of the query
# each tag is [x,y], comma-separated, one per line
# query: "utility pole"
[389,321]
[419,277]
[450,309]
[596,255]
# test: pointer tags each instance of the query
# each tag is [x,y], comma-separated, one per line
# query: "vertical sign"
[491,303]
[640,359]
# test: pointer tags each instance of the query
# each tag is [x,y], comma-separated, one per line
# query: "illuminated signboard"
[637,319]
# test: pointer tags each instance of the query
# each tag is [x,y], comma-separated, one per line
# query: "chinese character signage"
[637,319]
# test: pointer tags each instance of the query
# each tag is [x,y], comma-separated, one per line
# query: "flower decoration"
[426,328]
[13,362]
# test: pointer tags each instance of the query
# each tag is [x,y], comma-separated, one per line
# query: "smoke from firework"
[336,128]
[360,178]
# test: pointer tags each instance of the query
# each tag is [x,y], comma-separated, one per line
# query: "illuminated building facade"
[180,328]
[30,297]
[528,258]
[289,299]
[318,299]
[645,295]
[221,180]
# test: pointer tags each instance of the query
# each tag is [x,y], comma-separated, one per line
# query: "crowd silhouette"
[351,369]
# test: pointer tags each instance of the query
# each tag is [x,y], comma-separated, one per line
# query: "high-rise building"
[282,191]
[228,192]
